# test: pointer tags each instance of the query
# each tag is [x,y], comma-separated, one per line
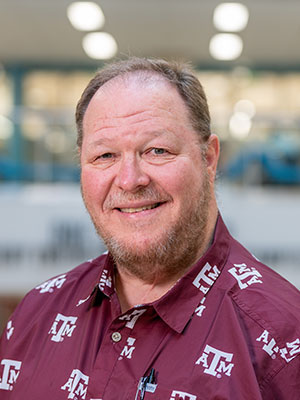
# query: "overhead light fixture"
[231,17]
[85,15]
[100,45]
[226,46]
[240,125]
[245,106]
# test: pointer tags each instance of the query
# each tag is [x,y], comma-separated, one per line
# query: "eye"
[159,155]
[159,151]
[105,156]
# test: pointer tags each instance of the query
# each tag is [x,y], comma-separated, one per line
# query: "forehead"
[135,93]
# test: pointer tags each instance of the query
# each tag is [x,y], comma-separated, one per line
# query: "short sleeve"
[285,384]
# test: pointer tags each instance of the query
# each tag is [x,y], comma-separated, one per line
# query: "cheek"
[86,181]
[93,186]
[180,179]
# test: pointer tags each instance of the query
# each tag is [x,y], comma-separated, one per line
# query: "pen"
[151,376]
[144,381]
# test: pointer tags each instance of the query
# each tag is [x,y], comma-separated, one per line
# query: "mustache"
[143,194]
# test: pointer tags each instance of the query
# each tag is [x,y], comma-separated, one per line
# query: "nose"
[130,176]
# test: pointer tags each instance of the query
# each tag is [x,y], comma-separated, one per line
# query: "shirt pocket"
[160,393]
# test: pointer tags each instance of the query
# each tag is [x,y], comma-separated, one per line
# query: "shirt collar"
[103,284]
[178,305]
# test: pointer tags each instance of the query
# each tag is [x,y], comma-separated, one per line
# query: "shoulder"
[261,291]
[80,276]
[86,272]
[268,308]
[63,291]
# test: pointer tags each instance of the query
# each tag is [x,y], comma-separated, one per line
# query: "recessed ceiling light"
[231,17]
[226,46]
[240,125]
[99,45]
[245,106]
[85,15]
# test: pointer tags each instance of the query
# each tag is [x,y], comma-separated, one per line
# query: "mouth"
[132,210]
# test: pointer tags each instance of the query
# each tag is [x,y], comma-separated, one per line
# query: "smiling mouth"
[139,209]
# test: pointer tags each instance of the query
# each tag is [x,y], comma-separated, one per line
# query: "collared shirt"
[227,330]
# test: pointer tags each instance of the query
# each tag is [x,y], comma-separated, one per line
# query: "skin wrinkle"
[105,129]
[103,145]
[111,123]
[101,141]
[116,118]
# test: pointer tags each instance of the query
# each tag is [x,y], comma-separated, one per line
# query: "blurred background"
[247,56]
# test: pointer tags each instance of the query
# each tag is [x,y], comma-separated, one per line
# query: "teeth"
[139,209]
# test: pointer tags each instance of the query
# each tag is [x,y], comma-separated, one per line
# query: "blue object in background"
[276,161]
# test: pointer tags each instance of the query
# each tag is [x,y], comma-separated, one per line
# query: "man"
[177,309]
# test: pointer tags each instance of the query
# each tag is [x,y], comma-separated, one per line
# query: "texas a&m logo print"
[206,278]
[105,280]
[9,372]
[9,330]
[132,317]
[291,349]
[128,349]
[61,327]
[269,346]
[76,385]
[244,275]
[49,286]
[177,395]
[216,362]
[199,310]
[288,353]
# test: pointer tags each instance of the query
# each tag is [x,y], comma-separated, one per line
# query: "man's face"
[144,180]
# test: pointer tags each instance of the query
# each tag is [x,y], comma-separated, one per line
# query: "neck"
[133,291]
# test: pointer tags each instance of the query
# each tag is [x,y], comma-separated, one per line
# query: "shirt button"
[116,337]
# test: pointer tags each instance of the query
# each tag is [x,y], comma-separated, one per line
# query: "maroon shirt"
[228,330]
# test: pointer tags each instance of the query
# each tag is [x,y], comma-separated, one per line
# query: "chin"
[136,248]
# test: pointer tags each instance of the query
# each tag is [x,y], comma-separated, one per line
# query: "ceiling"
[38,32]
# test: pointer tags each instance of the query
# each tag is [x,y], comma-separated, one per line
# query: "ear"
[212,156]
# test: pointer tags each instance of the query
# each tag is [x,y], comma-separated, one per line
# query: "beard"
[171,253]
